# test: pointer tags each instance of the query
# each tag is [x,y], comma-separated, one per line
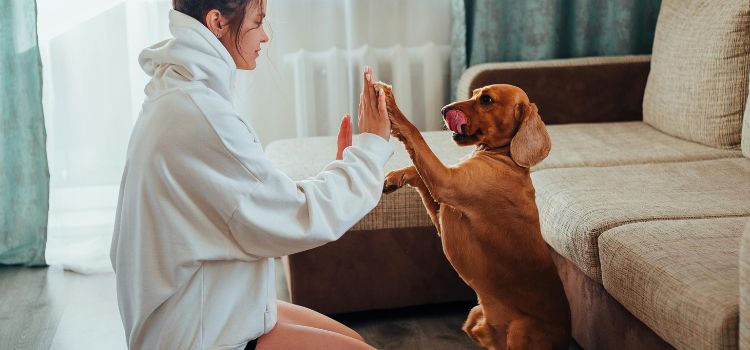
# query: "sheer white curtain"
[93,90]
[267,95]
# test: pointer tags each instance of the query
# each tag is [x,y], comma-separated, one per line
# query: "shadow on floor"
[421,327]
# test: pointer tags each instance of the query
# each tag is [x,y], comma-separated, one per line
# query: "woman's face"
[246,50]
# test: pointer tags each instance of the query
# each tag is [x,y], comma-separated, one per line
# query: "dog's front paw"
[397,179]
[393,181]
[400,125]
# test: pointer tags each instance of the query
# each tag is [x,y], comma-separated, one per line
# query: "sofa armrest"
[745,290]
[577,90]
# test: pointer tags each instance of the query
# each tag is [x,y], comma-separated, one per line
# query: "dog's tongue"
[454,120]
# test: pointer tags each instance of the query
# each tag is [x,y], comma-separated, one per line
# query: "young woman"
[202,213]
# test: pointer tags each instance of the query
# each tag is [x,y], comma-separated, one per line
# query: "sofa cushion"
[576,205]
[698,82]
[679,277]
[622,143]
[573,145]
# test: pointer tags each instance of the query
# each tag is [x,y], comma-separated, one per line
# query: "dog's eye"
[485,99]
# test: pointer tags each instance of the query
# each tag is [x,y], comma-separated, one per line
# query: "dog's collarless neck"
[504,150]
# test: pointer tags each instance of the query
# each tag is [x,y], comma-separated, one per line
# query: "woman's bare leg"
[299,315]
[298,337]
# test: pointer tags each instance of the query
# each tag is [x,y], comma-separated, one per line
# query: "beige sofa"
[643,199]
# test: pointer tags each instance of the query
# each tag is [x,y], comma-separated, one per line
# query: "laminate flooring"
[48,308]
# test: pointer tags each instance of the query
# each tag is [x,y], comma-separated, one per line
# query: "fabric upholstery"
[563,89]
[698,83]
[745,289]
[598,321]
[602,144]
[377,269]
[577,205]
[622,143]
[680,277]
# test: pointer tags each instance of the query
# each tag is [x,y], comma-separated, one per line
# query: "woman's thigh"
[295,314]
[298,337]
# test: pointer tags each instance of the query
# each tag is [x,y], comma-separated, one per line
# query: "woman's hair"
[233,10]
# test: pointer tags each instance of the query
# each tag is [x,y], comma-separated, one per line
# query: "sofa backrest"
[698,84]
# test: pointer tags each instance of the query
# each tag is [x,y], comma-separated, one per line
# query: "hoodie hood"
[193,55]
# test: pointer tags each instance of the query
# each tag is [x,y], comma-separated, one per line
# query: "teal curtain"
[24,174]
[512,30]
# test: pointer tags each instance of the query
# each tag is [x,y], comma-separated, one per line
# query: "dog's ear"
[532,143]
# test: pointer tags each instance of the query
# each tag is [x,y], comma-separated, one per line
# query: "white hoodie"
[202,212]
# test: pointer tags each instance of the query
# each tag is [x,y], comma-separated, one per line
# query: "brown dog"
[485,213]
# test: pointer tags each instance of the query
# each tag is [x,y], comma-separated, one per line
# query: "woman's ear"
[532,143]
[216,23]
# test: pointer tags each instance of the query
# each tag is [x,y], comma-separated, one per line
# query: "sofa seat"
[621,143]
[679,277]
[577,205]
[573,145]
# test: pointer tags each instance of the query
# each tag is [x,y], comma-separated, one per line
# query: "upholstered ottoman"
[391,258]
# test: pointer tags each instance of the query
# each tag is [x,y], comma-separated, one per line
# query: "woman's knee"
[299,337]
[295,314]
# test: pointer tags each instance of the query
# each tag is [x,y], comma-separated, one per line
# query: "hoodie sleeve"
[279,217]
[276,216]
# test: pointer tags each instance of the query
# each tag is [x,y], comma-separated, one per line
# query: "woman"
[202,212]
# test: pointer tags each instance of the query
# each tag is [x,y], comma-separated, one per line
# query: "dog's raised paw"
[382,86]
[395,180]
[389,188]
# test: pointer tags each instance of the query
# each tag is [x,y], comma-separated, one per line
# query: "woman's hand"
[345,136]
[373,115]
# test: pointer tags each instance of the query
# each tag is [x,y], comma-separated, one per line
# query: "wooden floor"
[48,308]
[425,327]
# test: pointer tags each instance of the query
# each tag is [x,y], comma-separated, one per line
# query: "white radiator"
[327,84]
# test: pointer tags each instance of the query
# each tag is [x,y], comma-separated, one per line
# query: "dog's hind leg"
[530,334]
[476,315]
[482,331]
